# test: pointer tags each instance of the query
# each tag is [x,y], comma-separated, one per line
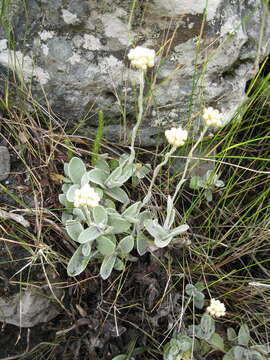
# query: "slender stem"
[140,114]
[156,171]
[189,158]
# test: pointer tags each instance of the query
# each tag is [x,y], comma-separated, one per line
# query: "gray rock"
[76,51]
[30,308]
[4,163]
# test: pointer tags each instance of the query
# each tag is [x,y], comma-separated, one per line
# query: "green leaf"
[208,195]
[102,165]
[107,266]
[142,243]
[79,214]
[105,245]
[65,187]
[126,244]
[231,334]
[66,217]
[113,180]
[74,229]
[89,234]
[66,169]
[238,352]
[161,243]
[78,262]
[100,215]
[119,265]
[217,341]
[76,169]
[86,249]
[177,231]
[229,355]
[190,290]
[132,212]
[243,335]
[120,357]
[194,182]
[154,229]
[71,192]
[118,194]
[97,176]
[62,199]
[207,326]
[119,224]
[199,300]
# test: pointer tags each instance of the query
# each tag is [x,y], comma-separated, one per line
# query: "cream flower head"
[142,57]
[86,196]
[216,308]
[212,117]
[176,136]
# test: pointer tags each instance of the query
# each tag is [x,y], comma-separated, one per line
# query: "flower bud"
[212,117]
[86,196]
[176,136]
[141,57]
[216,308]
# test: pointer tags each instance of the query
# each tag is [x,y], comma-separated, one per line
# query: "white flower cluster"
[176,136]
[216,308]
[86,196]
[141,57]
[212,117]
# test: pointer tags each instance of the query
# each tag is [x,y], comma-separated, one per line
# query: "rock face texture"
[72,55]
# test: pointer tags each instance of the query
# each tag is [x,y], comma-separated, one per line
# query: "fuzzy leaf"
[89,234]
[207,326]
[194,182]
[231,334]
[102,165]
[62,199]
[79,214]
[86,249]
[76,169]
[119,224]
[217,341]
[113,180]
[177,231]
[119,265]
[131,213]
[170,213]
[208,195]
[65,187]
[97,176]
[66,217]
[161,243]
[243,335]
[126,244]
[105,245]
[142,243]
[107,266]
[74,229]
[118,194]
[71,192]
[100,215]
[238,352]
[154,229]
[78,262]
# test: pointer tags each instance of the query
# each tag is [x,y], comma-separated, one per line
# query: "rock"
[77,54]
[4,163]
[29,308]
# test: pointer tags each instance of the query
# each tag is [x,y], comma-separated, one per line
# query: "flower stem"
[140,114]
[156,171]
[189,158]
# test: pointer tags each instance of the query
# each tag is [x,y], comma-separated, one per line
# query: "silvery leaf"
[154,229]
[62,199]
[100,215]
[142,243]
[107,266]
[161,242]
[79,214]
[71,192]
[118,194]
[65,187]
[119,224]
[132,212]
[97,176]
[66,217]
[126,244]
[89,234]
[177,231]
[74,229]
[219,183]
[102,165]
[86,249]
[119,265]
[105,245]
[76,169]
[78,262]
[170,213]
[113,179]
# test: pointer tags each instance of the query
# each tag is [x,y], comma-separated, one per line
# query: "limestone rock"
[4,163]
[75,50]
[28,309]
